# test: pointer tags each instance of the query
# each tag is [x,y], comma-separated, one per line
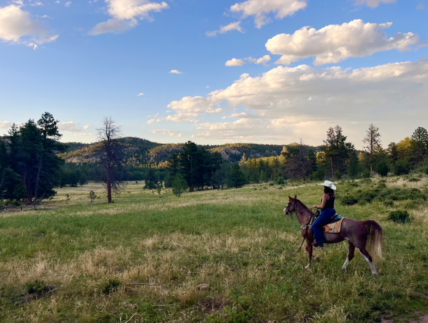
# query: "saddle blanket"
[333,227]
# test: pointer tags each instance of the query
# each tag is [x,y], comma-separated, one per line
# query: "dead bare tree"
[110,154]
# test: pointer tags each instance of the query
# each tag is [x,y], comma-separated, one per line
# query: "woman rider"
[327,213]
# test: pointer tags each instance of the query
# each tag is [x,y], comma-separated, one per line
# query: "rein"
[304,227]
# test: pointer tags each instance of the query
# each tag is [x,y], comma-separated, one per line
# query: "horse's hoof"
[308,267]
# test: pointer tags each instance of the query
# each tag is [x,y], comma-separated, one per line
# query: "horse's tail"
[374,238]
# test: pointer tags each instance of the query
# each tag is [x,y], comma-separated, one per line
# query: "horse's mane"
[302,204]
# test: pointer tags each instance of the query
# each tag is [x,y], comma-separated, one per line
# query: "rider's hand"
[314,206]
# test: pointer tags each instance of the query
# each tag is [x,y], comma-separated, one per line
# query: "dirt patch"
[211,306]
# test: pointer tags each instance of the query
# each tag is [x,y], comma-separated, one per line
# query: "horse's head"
[291,206]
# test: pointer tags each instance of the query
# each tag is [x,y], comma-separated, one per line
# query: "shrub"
[271,184]
[337,175]
[399,216]
[319,175]
[37,287]
[382,168]
[426,170]
[365,173]
[280,181]
[348,200]
[111,286]
[401,167]
[413,179]
[366,181]
[410,205]
[389,203]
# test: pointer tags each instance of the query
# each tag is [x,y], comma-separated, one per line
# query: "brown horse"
[357,233]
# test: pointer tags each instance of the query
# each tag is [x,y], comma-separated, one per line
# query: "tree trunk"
[109,191]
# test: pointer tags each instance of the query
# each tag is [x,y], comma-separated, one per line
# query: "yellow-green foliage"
[142,258]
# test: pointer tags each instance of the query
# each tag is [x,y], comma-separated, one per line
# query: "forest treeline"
[31,165]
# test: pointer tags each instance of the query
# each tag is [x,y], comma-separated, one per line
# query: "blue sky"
[83,60]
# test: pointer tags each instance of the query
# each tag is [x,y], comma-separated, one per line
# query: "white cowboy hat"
[329,185]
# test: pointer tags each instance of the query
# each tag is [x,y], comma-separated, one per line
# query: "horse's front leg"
[309,248]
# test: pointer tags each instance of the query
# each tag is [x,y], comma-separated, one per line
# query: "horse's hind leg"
[350,255]
[369,260]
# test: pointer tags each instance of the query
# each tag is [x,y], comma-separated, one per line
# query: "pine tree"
[373,143]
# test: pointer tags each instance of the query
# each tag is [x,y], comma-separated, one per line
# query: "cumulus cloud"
[86,127]
[17,26]
[279,104]
[172,133]
[189,108]
[235,62]
[175,72]
[68,4]
[261,8]
[70,126]
[335,43]
[5,124]
[124,15]
[239,62]
[141,94]
[224,29]
[372,3]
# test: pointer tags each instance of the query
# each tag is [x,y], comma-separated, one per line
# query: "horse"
[359,234]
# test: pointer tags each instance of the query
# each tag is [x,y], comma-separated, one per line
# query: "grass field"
[142,258]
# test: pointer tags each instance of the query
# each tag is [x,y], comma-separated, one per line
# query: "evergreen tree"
[236,178]
[420,138]
[373,143]
[150,180]
[179,185]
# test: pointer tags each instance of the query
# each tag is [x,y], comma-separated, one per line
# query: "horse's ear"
[295,197]
[289,197]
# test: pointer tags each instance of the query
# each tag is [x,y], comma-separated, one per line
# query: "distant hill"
[141,152]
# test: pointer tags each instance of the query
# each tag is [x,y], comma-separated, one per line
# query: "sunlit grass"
[237,241]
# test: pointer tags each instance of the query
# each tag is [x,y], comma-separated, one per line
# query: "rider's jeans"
[321,221]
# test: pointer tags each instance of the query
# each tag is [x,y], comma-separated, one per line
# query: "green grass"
[141,259]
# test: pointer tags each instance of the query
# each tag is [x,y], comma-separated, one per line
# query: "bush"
[348,200]
[337,175]
[399,216]
[366,173]
[410,205]
[111,286]
[388,203]
[401,168]
[413,179]
[280,181]
[37,287]
[366,181]
[271,184]
[426,170]
[319,175]
[382,168]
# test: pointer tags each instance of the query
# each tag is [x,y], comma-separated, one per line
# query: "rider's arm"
[325,198]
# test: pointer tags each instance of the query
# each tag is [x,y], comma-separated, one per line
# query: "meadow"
[208,256]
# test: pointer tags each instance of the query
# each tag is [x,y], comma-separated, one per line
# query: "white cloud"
[224,29]
[68,4]
[278,101]
[70,126]
[141,94]
[235,62]
[335,43]
[261,8]
[175,72]
[172,133]
[372,3]
[239,62]
[151,121]
[5,124]
[189,108]
[86,127]
[16,26]
[124,15]
[420,6]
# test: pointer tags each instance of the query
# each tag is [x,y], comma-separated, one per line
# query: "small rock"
[203,286]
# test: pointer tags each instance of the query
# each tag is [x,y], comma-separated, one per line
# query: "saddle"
[334,225]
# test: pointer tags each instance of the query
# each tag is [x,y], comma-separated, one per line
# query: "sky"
[215,72]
